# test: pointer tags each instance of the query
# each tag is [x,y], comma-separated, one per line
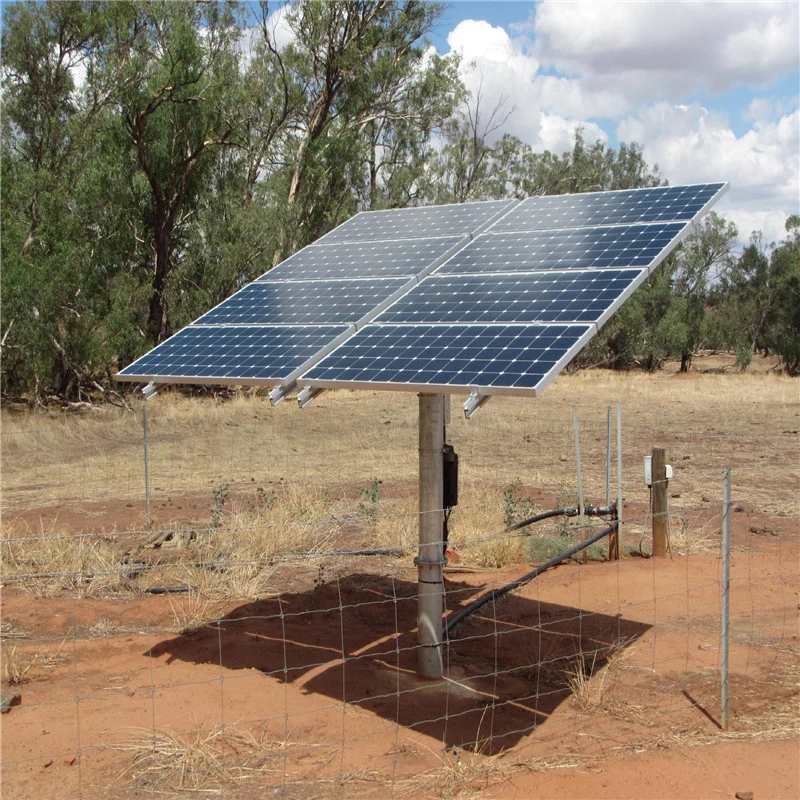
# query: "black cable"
[558,512]
[495,593]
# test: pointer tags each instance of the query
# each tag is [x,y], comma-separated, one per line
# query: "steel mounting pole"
[430,560]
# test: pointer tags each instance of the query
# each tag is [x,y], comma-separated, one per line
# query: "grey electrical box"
[648,471]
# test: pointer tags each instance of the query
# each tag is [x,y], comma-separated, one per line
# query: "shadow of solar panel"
[566,248]
[663,203]
[451,356]
[206,353]
[303,303]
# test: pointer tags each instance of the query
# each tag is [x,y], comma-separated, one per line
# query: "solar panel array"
[496,297]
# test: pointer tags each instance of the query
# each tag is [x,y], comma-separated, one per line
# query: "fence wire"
[261,634]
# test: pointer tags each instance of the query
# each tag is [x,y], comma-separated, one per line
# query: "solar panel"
[363,259]
[232,354]
[533,297]
[663,203]
[303,302]
[417,223]
[495,296]
[450,357]
[567,248]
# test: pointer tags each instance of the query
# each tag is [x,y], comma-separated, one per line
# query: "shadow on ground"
[507,667]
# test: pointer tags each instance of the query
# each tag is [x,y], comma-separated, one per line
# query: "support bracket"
[474,402]
[307,394]
[150,390]
[280,393]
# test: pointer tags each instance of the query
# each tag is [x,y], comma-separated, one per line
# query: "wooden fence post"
[659,508]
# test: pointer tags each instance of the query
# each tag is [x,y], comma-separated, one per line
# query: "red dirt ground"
[118,667]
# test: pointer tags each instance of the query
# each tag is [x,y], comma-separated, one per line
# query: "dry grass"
[296,479]
[18,662]
[192,611]
[198,760]
[589,682]
[687,539]
[16,665]
[50,562]
[347,438]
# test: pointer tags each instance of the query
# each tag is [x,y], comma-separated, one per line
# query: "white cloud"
[494,68]
[546,109]
[692,144]
[557,134]
[643,65]
[649,50]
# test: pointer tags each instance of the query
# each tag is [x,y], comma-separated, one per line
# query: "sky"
[710,90]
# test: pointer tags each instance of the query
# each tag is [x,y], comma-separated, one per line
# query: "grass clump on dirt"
[51,561]
[542,547]
[200,760]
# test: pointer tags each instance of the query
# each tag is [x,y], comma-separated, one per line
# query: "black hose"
[558,512]
[169,589]
[495,593]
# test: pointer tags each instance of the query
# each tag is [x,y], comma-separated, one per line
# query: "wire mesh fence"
[259,637]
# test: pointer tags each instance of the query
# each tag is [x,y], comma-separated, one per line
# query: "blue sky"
[709,89]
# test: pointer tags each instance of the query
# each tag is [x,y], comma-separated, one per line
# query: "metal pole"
[613,537]
[578,459]
[146,466]
[608,459]
[619,469]
[726,593]
[430,560]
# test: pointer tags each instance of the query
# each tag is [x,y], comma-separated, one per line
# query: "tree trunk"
[158,319]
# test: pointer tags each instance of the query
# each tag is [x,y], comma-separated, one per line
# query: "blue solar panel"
[303,302]
[417,223]
[502,312]
[567,248]
[533,297]
[450,356]
[663,203]
[362,259]
[233,354]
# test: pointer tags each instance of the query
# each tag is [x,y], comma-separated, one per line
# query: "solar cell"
[565,248]
[521,357]
[232,354]
[303,302]
[663,203]
[417,223]
[532,297]
[362,259]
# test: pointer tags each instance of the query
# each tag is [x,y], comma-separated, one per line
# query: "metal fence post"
[726,595]
[146,467]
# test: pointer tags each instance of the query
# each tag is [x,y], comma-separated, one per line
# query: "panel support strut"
[474,402]
[430,561]
[307,394]
[280,393]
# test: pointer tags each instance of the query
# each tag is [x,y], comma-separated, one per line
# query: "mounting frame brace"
[307,394]
[280,393]
[474,402]
[150,391]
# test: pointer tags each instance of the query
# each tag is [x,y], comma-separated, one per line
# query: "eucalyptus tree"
[758,300]
[706,254]
[358,63]
[176,100]
[52,295]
